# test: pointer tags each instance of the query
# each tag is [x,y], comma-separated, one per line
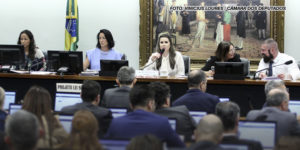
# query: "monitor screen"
[7,51]
[111,67]
[66,122]
[224,99]
[234,146]
[172,122]
[118,112]
[10,98]
[230,70]
[114,144]
[294,107]
[264,132]
[197,115]
[72,60]
[66,99]
[14,108]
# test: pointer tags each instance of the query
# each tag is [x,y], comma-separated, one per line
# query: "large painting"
[197,33]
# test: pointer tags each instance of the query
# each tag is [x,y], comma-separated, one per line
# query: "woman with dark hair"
[38,101]
[104,50]
[224,53]
[166,59]
[84,133]
[34,57]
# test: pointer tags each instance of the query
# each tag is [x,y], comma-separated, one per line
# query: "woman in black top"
[224,53]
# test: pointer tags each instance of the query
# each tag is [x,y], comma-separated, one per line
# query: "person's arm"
[86,63]
[293,69]
[263,74]
[152,58]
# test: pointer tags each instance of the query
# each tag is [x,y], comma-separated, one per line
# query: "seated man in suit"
[185,124]
[90,96]
[274,84]
[196,99]
[277,110]
[229,113]
[119,97]
[208,133]
[142,120]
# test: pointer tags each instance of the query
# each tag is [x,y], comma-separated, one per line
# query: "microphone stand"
[286,63]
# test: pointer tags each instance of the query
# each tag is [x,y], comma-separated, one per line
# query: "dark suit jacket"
[232,139]
[213,59]
[103,115]
[287,123]
[116,97]
[185,124]
[205,145]
[196,100]
[141,122]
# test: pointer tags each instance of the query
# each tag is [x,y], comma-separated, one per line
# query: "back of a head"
[126,75]
[140,95]
[210,128]
[90,90]
[145,142]
[22,129]
[229,113]
[2,97]
[195,77]
[271,43]
[276,96]
[274,84]
[222,50]
[162,92]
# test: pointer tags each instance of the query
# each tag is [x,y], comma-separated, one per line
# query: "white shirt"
[165,65]
[291,69]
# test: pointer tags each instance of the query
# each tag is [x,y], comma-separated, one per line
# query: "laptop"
[66,99]
[294,106]
[172,122]
[224,99]
[66,122]
[234,146]
[118,112]
[197,115]
[14,108]
[114,144]
[10,97]
[264,132]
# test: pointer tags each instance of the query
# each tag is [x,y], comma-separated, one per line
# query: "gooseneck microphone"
[161,53]
[285,63]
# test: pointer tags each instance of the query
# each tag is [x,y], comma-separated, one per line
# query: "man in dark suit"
[119,97]
[196,99]
[229,113]
[185,124]
[90,95]
[142,120]
[277,110]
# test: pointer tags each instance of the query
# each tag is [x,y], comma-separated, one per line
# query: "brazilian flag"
[72,24]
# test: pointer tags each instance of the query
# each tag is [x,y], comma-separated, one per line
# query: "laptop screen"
[265,132]
[14,108]
[224,99]
[10,97]
[197,115]
[118,112]
[294,107]
[66,99]
[112,144]
[234,146]
[172,122]
[66,121]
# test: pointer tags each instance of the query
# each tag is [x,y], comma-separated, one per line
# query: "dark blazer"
[196,100]
[232,139]
[3,116]
[287,123]
[141,122]
[185,124]
[213,59]
[103,115]
[205,145]
[116,97]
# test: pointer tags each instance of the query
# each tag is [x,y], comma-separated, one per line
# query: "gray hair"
[126,75]
[210,128]
[195,77]
[273,84]
[22,127]
[271,43]
[2,96]
[276,96]
[229,113]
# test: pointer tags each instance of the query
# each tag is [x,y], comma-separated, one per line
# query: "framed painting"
[199,39]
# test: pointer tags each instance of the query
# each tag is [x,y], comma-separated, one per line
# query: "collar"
[276,60]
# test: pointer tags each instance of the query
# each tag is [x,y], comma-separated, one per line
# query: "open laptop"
[10,97]
[66,99]
[66,122]
[224,99]
[294,106]
[234,146]
[14,108]
[264,132]
[172,122]
[197,115]
[118,112]
[114,144]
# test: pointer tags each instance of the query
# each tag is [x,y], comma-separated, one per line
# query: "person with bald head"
[277,110]
[209,133]
[195,98]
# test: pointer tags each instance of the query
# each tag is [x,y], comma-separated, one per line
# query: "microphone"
[161,53]
[37,64]
[285,63]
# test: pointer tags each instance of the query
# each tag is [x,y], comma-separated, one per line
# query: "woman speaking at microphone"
[166,60]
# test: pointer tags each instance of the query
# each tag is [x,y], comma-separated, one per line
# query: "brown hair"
[222,50]
[172,52]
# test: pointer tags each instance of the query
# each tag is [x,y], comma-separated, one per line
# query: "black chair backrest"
[187,63]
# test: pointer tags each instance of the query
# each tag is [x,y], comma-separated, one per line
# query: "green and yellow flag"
[72,24]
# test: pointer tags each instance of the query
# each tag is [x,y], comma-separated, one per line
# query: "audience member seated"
[90,96]
[22,131]
[3,114]
[288,143]
[277,110]
[196,99]
[185,124]
[119,97]
[208,133]
[38,101]
[145,142]
[104,50]
[229,113]
[142,120]
[274,84]
[83,135]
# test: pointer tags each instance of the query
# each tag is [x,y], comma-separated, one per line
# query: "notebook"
[66,122]
[10,97]
[118,112]
[66,99]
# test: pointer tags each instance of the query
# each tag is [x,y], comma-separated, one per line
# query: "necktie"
[270,69]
